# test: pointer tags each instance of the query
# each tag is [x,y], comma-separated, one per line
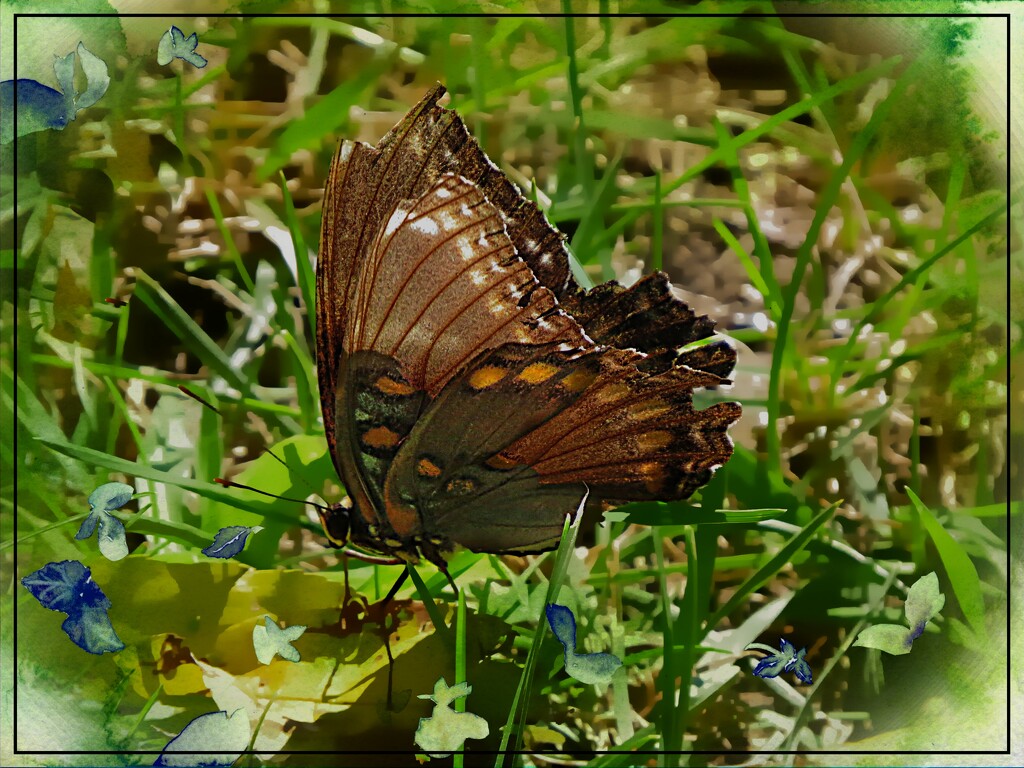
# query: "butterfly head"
[336,522]
[343,525]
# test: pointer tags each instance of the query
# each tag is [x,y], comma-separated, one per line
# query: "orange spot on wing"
[486,376]
[499,461]
[427,468]
[613,392]
[381,437]
[404,520]
[460,486]
[577,381]
[537,373]
[652,441]
[391,387]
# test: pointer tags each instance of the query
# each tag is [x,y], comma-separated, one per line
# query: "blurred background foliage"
[833,191]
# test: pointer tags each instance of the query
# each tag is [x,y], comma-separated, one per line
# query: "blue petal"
[64,70]
[207,735]
[110,496]
[88,526]
[915,633]
[111,538]
[194,59]
[592,668]
[770,666]
[803,671]
[563,625]
[228,542]
[97,80]
[39,108]
[61,586]
[165,49]
[90,629]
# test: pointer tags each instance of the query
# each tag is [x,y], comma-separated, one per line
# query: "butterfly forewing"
[442,283]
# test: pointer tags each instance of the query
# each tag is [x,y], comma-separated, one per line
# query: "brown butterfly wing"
[439,284]
[364,188]
[442,479]
[508,448]
[646,317]
[436,279]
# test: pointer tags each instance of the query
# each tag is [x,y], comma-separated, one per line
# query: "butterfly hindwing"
[448,479]
[515,440]
[379,408]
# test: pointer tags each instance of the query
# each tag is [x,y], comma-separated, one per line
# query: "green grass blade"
[460,666]
[558,573]
[765,266]
[307,280]
[186,329]
[670,738]
[880,304]
[766,571]
[428,602]
[229,240]
[773,302]
[828,197]
[770,124]
[210,491]
[961,571]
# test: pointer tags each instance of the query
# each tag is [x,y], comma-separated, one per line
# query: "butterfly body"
[471,392]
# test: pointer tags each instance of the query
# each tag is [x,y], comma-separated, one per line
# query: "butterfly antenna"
[198,399]
[229,483]
[297,474]
[233,484]
[323,509]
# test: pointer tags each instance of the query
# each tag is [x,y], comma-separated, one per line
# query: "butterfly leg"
[387,633]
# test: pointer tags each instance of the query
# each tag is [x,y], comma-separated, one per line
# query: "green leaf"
[961,571]
[891,638]
[676,512]
[924,601]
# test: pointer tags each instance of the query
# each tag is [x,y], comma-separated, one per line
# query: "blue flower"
[788,659]
[40,107]
[270,640]
[214,740]
[102,502]
[174,45]
[446,730]
[229,541]
[68,587]
[588,668]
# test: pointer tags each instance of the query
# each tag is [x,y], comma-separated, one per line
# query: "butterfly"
[471,391]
